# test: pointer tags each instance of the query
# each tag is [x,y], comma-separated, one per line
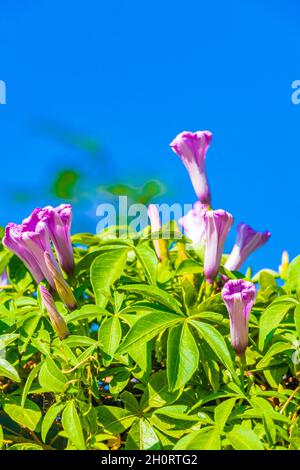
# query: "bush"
[148,363]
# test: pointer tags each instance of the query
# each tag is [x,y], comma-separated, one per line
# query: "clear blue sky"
[133,74]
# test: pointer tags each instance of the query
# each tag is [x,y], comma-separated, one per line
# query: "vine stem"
[242,366]
[292,395]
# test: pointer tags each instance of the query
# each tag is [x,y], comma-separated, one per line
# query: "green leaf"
[188,266]
[148,327]
[114,419]
[109,336]
[28,415]
[213,304]
[87,312]
[1,437]
[223,411]
[297,320]
[242,438]
[157,393]
[7,370]
[182,356]
[276,348]
[51,378]
[105,271]
[7,339]
[148,259]
[154,293]
[25,446]
[119,382]
[216,342]
[271,318]
[49,418]
[75,341]
[72,426]
[29,381]
[130,402]
[293,275]
[142,437]
[206,439]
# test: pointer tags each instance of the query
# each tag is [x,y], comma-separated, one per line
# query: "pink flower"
[193,223]
[248,240]
[191,147]
[59,221]
[29,241]
[217,225]
[239,297]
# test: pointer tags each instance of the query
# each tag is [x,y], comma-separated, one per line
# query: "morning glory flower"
[59,221]
[217,224]
[191,147]
[193,223]
[159,245]
[239,297]
[58,323]
[248,240]
[29,241]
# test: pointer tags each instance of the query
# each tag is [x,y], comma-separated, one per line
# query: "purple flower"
[29,241]
[4,281]
[193,223]
[191,147]
[239,297]
[57,320]
[159,245]
[247,241]
[216,225]
[59,221]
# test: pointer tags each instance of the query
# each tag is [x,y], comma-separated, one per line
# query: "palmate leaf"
[182,356]
[216,342]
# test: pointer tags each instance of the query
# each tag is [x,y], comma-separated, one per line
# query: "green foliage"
[148,364]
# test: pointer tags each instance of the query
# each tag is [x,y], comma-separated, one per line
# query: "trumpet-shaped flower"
[29,241]
[191,147]
[59,221]
[239,297]
[193,223]
[216,225]
[58,323]
[248,240]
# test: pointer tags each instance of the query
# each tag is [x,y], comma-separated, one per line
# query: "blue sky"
[132,75]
